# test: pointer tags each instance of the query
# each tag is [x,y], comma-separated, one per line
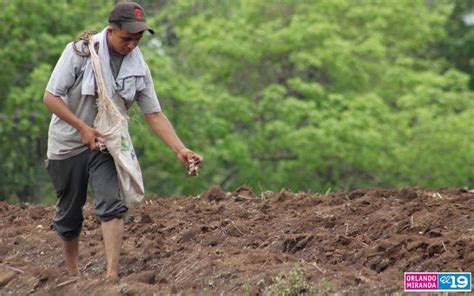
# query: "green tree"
[458,47]
[303,95]
[308,95]
[34,33]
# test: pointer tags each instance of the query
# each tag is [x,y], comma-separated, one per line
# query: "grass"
[289,283]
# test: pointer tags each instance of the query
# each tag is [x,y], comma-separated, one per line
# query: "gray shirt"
[115,62]
[64,141]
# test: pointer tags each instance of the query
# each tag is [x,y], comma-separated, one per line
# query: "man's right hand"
[90,137]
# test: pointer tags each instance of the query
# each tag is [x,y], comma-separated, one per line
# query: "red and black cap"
[130,16]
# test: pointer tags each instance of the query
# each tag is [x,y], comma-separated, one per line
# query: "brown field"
[236,243]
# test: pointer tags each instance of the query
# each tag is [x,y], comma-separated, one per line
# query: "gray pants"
[70,179]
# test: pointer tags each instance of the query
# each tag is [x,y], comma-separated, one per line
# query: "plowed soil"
[237,243]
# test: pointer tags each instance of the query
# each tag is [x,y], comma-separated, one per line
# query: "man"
[74,157]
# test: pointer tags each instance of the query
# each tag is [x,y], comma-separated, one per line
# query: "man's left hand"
[191,160]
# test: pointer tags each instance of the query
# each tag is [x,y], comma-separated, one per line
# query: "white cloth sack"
[112,124]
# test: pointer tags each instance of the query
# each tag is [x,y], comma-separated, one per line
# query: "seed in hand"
[101,144]
[193,167]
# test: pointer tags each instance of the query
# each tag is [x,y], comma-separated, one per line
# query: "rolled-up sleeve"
[64,73]
[147,99]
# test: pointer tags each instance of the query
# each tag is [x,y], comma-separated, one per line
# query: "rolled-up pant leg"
[69,177]
[104,183]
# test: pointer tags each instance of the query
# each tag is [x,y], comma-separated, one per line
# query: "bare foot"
[113,279]
[74,273]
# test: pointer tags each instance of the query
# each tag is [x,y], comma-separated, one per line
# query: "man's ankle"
[112,277]
[74,273]
[71,256]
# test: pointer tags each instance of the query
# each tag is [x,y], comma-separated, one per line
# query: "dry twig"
[12,268]
[318,268]
[444,246]
[179,274]
[237,228]
[66,283]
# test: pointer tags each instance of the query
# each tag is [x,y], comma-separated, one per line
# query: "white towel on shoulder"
[130,78]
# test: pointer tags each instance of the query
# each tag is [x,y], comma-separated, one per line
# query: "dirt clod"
[407,194]
[214,194]
[145,219]
[245,192]
[6,276]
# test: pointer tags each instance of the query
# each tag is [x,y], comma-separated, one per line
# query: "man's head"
[130,16]
[126,26]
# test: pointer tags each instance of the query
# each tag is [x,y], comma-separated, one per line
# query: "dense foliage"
[303,95]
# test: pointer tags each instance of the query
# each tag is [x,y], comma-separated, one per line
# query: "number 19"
[458,282]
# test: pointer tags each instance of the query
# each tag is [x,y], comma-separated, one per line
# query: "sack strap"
[104,102]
